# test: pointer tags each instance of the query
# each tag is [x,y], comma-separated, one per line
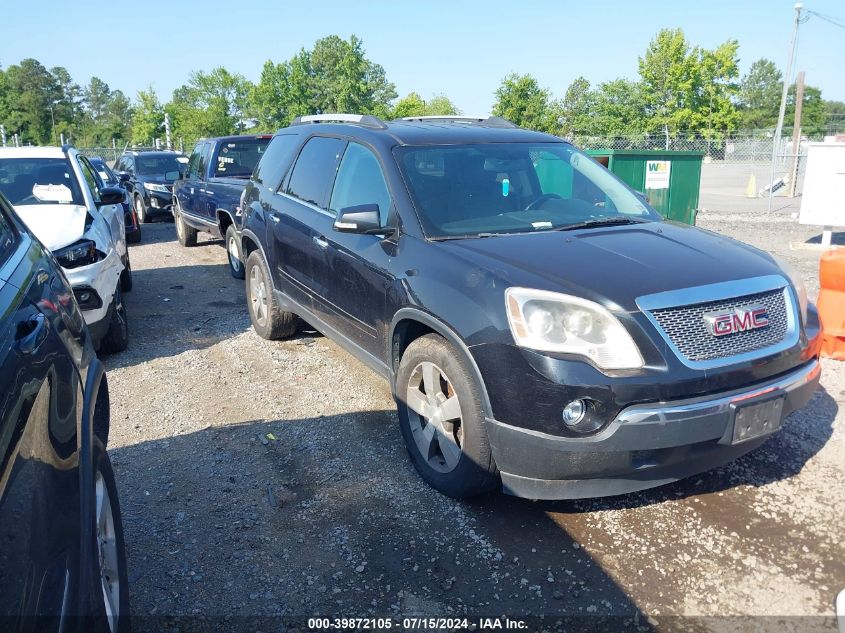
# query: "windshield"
[237,159]
[158,165]
[467,190]
[39,181]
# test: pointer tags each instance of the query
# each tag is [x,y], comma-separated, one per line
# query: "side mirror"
[110,195]
[123,176]
[172,175]
[362,218]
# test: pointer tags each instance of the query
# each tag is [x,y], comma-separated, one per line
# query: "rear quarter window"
[8,236]
[238,158]
[275,160]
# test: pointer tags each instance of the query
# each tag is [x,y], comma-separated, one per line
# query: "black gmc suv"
[541,326]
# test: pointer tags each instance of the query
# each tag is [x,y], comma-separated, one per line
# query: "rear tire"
[187,234]
[110,593]
[117,336]
[135,236]
[268,318]
[442,419]
[233,251]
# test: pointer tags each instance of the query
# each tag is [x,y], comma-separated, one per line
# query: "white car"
[61,198]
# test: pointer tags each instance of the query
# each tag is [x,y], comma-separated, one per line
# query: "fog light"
[574,412]
[154,201]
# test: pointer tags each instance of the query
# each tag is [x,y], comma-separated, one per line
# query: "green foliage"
[520,99]
[210,104]
[813,112]
[334,76]
[759,95]
[105,115]
[415,105]
[31,93]
[618,109]
[148,120]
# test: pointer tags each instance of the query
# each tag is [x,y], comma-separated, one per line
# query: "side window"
[194,162]
[8,235]
[129,165]
[315,169]
[275,160]
[360,181]
[93,180]
[204,157]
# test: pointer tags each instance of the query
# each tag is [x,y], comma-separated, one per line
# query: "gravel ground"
[270,479]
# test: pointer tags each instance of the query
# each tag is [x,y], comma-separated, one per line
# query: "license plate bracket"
[756,418]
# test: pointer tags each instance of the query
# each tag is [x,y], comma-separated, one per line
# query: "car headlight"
[553,322]
[82,253]
[151,186]
[797,283]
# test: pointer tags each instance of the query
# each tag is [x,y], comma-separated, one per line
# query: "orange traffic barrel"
[831,303]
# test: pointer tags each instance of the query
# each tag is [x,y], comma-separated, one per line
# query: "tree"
[148,118]
[414,105]
[668,76]
[210,104]
[717,72]
[67,103]
[834,114]
[574,111]
[520,99]
[813,112]
[344,80]
[759,95]
[282,92]
[617,109]
[31,93]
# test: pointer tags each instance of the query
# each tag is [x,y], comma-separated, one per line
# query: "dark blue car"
[62,562]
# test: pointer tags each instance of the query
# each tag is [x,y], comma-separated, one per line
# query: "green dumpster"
[670,180]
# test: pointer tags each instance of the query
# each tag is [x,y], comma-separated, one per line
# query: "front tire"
[268,318]
[140,210]
[187,234]
[233,251]
[111,590]
[117,336]
[442,419]
[126,276]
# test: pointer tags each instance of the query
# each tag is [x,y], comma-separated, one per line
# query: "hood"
[615,265]
[55,225]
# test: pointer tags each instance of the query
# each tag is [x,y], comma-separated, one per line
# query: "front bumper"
[158,201]
[646,445]
[102,277]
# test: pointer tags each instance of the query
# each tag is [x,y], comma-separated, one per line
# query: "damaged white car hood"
[59,225]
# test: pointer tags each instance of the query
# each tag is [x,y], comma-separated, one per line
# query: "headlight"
[553,322]
[151,186]
[797,283]
[82,253]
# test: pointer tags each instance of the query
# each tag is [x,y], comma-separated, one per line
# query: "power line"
[835,21]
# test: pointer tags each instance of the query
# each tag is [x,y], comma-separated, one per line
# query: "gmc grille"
[684,326]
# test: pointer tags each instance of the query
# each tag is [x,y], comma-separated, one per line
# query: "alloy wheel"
[234,256]
[107,553]
[434,412]
[258,295]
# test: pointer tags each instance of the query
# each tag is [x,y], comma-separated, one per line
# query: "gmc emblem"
[742,319]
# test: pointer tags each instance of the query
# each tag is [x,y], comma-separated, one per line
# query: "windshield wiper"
[611,221]
[468,236]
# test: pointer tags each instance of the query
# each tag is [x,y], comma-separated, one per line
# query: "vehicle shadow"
[292,518]
[837,238]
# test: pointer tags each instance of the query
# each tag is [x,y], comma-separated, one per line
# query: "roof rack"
[367,120]
[490,121]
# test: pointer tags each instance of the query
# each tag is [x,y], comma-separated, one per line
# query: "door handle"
[320,241]
[31,333]
[275,218]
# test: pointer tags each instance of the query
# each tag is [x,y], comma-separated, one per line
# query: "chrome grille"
[684,326]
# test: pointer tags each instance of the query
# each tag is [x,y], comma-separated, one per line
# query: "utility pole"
[3,134]
[796,132]
[787,77]
[167,131]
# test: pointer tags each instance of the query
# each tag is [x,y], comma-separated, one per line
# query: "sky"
[462,48]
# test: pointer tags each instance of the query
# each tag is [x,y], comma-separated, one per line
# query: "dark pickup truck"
[208,198]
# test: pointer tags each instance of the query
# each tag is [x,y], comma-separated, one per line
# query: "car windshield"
[39,181]
[158,165]
[495,188]
[238,158]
